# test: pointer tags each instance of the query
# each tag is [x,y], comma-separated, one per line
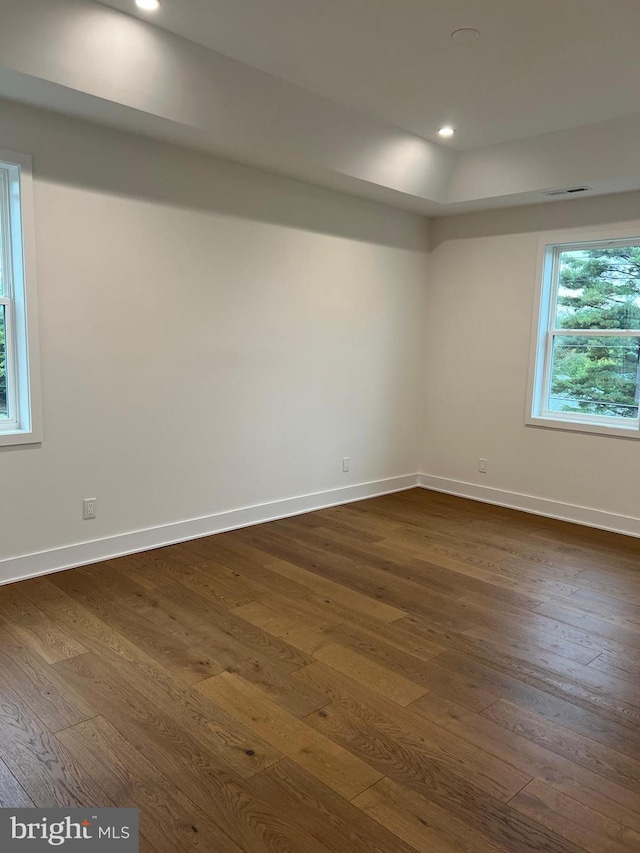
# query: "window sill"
[594,428]
[16,437]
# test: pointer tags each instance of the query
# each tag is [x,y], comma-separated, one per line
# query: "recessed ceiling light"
[148,5]
[465,34]
[446,131]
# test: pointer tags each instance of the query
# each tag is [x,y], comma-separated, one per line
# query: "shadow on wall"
[81,153]
[604,210]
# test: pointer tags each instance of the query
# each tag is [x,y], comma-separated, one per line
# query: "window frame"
[544,332]
[24,426]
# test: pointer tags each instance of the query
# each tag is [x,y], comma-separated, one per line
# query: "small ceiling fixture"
[148,5]
[446,131]
[465,34]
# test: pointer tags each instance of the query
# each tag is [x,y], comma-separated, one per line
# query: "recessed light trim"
[446,132]
[148,5]
[466,34]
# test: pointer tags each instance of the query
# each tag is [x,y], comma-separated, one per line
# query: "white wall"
[215,337]
[212,337]
[478,323]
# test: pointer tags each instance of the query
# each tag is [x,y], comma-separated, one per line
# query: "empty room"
[319,426]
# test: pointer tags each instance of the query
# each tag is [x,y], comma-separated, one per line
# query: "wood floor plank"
[401,744]
[167,817]
[140,567]
[384,681]
[487,819]
[518,641]
[44,769]
[270,620]
[305,611]
[534,624]
[395,556]
[12,794]
[130,696]
[389,649]
[330,763]
[519,634]
[599,721]
[186,607]
[212,788]
[624,614]
[189,663]
[31,627]
[344,561]
[237,746]
[39,686]
[623,587]
[357,576]
[208,579]
[275,682]
[467,691]
[120,590]
[606,762]
[617,665]
[334,821]
[574,683]
[577,782]
[587,622]
[83,622]
[196,608]
[243,561]
[410,672]
[354,600]
[418,821]
[240,581]
[355,519]
[577,823]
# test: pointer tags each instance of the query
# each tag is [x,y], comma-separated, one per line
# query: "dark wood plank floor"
[410,673]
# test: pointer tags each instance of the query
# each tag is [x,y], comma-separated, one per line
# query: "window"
[19,400]
[586,373]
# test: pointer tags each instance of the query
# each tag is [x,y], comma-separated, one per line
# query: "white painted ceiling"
[539,65]
[349,94]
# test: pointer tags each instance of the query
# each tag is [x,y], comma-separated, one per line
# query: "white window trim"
[24,348]
[539,361]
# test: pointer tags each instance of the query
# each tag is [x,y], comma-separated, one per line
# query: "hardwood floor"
[410,673]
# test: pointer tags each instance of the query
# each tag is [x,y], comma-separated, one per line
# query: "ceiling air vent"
[568,191]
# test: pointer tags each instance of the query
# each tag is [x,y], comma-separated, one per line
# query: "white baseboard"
[586,516]
[84,553]
[58,559]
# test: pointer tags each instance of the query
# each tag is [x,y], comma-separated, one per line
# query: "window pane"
[599,289]
[2,270]
[595,376]
[4,219]
[3,365]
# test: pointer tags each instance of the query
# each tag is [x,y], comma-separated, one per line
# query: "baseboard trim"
[628,525]
[84,553]
[110,547]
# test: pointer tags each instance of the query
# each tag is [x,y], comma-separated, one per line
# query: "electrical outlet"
[482,466]
[346,465]
[89,508]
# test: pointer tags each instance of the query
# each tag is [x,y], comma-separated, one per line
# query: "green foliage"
[599,289]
